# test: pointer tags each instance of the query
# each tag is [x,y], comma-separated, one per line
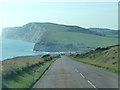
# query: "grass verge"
[27,77]
[108,67]
[106,58]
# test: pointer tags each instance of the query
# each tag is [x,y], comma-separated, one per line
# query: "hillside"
[50,37]
[101,57]
[106,32]
[32,32]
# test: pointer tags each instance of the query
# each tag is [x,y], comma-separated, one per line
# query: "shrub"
[45,56]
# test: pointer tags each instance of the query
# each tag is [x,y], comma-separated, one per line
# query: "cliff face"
[30,32]
[33,32]
[54,46]
[50,37]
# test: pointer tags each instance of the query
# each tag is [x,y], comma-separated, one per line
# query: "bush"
[97,48]
[44,56]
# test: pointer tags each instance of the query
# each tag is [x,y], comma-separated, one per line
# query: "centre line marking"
[82,75]
[76,70]
[91,84]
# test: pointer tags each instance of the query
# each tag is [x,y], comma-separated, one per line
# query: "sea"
[10,48]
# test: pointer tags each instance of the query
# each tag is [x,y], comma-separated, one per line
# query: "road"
[67,73]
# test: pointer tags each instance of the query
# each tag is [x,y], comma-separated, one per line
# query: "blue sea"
[10,48]
[13,48]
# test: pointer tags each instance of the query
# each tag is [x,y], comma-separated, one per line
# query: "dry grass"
[104,58]
[23,72]
[19,63]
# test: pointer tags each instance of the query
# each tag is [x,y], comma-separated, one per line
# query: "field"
[65,37]
[23,72]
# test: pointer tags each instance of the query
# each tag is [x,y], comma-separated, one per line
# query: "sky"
[84,14]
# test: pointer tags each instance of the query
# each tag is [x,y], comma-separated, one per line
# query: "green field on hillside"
[65,37]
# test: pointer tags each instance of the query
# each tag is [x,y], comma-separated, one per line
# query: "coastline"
[36,53]
[12,48]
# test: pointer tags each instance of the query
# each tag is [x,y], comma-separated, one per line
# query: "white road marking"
[82,75]
[76,70]
[87,80]
[91,84]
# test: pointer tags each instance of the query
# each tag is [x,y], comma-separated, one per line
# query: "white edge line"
[91,84]
[76,70]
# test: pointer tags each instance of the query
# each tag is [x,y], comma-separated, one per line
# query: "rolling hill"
[106,32]
[51,37]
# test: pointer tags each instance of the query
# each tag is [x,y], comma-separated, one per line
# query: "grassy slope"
[65,37]
[107,59]
[112,33]
[108,34]
[26,77]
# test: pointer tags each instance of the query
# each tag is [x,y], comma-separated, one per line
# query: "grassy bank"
[108,67]
[19,74]
[106,58]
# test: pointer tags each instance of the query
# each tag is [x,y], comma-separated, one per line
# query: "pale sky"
[84,14]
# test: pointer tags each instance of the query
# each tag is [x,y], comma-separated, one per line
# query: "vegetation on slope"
[95,41]
[106,58]
[60,40]
[23,72]
[107,32]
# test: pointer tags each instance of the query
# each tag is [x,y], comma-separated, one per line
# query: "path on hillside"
[67,73]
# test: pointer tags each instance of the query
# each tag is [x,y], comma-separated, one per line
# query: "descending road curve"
[67,73]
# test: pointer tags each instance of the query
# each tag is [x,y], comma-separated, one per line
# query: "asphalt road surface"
[67,73]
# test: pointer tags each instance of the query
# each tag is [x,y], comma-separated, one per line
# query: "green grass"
[65,37]
[26,78]
[108,67]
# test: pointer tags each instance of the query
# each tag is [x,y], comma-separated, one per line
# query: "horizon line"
[60,24]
